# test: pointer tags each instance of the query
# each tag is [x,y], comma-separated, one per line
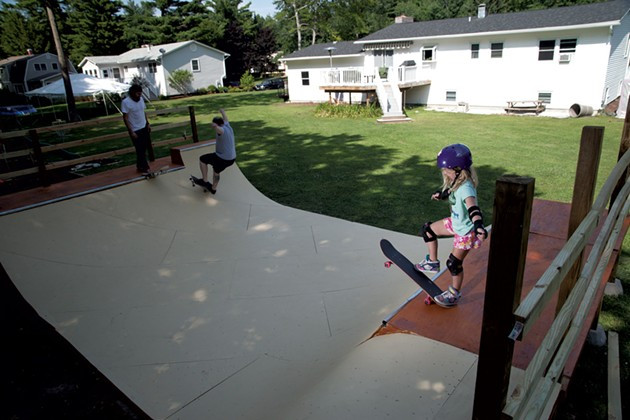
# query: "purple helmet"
[455,156]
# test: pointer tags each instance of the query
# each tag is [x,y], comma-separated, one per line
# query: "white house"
[562,56]
[24,73]
[155,63]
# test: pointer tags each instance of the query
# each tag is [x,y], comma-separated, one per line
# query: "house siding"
[618,62]
[518,75]
[315,67]
[211,65]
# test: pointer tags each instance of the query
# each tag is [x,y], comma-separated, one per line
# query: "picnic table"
[536,106]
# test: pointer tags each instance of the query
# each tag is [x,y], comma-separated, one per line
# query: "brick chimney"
[29,51]
[403,19]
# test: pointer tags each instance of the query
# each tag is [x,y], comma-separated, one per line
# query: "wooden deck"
[461,326]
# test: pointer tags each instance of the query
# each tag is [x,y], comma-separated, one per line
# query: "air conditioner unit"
[566,58]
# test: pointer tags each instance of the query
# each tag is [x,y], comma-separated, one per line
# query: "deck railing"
[345,76]
[506,318]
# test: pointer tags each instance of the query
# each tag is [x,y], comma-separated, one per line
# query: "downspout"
[225,57]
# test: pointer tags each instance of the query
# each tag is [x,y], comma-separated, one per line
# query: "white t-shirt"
[135,113]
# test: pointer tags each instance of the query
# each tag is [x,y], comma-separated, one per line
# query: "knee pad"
[454,265]
[426,231]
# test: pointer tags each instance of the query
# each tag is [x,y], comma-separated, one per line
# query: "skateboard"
[406,266]
[199,181]
[153,174]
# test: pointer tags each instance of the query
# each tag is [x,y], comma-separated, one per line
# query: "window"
[451,96]
[383,58]
[545,97]
[126,69]
[568,45]
[428,53]
[116,72]
[305,80]
[474,51]
[545,50]
[496,50]
[37,67]
[105,74]
[44,67]
[152,67]
[193,63]
[55,66]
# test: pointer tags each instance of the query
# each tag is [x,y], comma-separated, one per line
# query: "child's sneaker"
[427,265]
[449,298]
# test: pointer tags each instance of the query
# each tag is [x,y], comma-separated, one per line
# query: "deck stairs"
[391,102]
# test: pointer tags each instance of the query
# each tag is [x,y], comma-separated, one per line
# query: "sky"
[261,7]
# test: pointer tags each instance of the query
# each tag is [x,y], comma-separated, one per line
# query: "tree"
[181,81]
[140,25]
[96,28]
[24,26]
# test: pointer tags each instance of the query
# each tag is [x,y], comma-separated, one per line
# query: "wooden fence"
[508,318]
[37,152]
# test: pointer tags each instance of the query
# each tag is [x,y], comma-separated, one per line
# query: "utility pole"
[63,62]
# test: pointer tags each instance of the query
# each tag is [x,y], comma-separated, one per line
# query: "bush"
[348,111]
[202,91]
[247,82]
[181,80]
[212,89]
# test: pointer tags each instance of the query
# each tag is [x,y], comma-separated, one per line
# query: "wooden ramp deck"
[461,326]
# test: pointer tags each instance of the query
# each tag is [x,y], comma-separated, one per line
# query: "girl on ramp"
[465,223]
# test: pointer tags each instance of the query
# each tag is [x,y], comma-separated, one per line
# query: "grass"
[382,175]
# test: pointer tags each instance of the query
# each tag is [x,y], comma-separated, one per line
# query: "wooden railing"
[506,318]
[37,152]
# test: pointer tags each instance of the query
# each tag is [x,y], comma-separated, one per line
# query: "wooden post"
[39,157]
[504,280]
[583,192]
[193,124]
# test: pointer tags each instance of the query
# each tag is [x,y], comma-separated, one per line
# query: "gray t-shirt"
[225,146]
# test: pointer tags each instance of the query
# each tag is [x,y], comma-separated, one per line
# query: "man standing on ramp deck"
[224,155]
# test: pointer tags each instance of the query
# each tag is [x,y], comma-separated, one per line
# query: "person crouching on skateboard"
[224,155]
[465,224]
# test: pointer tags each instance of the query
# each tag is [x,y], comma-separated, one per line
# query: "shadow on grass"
[343,176]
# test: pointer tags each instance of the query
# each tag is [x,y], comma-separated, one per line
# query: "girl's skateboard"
[406,266]
[199,181]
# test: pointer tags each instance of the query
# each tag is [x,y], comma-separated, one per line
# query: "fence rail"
[38,152]
[541,377]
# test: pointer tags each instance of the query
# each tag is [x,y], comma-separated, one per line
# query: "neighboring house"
[562,56]
[155,63]
[27,72]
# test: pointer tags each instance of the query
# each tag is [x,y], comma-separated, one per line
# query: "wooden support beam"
[39,158]
[193,124]
[583,193]
[506,263]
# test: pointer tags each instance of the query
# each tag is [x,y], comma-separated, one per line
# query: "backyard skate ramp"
[228,306]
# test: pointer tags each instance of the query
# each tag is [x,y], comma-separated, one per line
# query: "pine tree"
[96,28]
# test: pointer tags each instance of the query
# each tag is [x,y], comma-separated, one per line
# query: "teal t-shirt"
[459,212]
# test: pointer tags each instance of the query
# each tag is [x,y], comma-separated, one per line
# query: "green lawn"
[382,175]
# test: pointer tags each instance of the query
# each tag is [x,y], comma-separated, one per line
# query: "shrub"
[181,80]
[212,89]
[247,82]
[348,111]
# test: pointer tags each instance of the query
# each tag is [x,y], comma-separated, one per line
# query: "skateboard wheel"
[388,264]
[428,300]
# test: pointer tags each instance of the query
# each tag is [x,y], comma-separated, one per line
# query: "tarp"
[82,85]
[623,100]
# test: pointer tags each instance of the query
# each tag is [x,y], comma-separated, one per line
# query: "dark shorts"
[218,164]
